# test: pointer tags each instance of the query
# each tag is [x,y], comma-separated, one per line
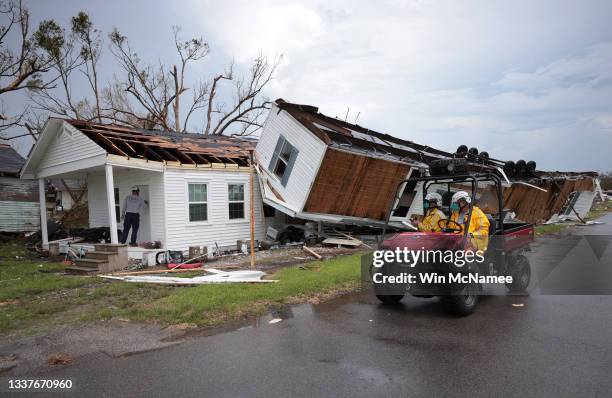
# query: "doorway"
[144,232]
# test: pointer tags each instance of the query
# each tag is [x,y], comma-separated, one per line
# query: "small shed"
[19,210]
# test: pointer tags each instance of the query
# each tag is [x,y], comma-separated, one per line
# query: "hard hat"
[135,188]
[434,196]
[461,195]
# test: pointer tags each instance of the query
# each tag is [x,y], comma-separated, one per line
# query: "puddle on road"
[275,312]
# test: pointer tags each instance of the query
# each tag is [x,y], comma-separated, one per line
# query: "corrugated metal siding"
[18,216]
[14,189]
[311,151]
[124,180]
[68,146]
[181,233]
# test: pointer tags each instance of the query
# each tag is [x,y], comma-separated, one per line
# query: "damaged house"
[315,167]
[19,210]
[198,187]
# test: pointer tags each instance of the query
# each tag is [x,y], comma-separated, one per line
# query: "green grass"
[22,279]
[206,305]
[35,296]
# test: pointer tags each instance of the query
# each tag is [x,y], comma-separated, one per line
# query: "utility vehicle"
[504,255]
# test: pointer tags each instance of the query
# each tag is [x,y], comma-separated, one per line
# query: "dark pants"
[132,220]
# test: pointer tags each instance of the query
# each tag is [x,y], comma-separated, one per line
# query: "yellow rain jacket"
[430,221]
[479,227]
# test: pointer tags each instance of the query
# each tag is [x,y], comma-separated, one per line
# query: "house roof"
[10,160]
[167,146]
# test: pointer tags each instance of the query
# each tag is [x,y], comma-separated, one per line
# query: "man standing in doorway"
[132,205]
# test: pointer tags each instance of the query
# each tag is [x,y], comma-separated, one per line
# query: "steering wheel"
[453,227]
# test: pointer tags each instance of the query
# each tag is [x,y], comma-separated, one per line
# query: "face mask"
[425,204]
[454,206]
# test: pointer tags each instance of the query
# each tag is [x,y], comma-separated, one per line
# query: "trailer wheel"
[521,275]
[463,303]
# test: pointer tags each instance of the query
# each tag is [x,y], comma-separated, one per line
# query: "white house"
[198,187]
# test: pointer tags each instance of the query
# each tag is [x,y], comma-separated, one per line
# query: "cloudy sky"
[520,79]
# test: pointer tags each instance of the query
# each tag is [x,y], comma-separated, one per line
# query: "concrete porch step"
[75,269]
[91,263]
[99,255]
[108,247]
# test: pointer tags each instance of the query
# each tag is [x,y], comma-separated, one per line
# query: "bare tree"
[91,49]
[159,90]
[249,103]
[79,50]
[23,64]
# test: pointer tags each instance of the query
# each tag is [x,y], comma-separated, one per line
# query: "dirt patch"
[59,359]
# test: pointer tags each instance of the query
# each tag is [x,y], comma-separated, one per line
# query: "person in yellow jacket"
[433,214]
[479,223]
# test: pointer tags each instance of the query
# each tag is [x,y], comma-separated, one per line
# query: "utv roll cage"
[472,178]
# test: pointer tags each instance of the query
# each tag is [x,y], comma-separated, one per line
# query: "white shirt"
[133,204]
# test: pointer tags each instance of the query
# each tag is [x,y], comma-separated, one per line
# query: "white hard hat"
[461,195]
[434,196]
[135,188]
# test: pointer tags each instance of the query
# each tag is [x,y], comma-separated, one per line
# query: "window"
[283,159]
[235,196]
[198,198]
[117,206]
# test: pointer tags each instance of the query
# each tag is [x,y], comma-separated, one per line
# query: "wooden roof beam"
[110,144]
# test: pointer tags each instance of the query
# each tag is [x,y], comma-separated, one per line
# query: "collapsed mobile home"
[319,168]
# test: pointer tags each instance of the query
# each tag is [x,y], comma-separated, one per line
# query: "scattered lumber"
[355,239]
[342,242]
[312,252]
[163,271]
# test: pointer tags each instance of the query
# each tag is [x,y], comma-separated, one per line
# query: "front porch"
[108,183]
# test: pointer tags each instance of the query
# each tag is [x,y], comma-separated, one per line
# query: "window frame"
[189,203]
[280,158]
[243,201]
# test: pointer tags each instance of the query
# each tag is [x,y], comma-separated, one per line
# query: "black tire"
[390,299]
[521,275]
[461,304]
[388,294]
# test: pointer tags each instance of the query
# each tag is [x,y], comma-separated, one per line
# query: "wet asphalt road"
[354,346]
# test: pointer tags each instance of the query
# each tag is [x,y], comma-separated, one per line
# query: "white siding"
[307,163]
[124,179]
[219,228]
[69,145]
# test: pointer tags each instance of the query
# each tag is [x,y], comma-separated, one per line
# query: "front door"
[144,232]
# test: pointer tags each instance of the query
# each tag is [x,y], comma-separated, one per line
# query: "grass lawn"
[35,296]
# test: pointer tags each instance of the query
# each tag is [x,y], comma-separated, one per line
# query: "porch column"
[43,213]
[110,199]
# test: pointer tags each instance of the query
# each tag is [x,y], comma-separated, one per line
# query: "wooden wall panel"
[354,185]
[532,205]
